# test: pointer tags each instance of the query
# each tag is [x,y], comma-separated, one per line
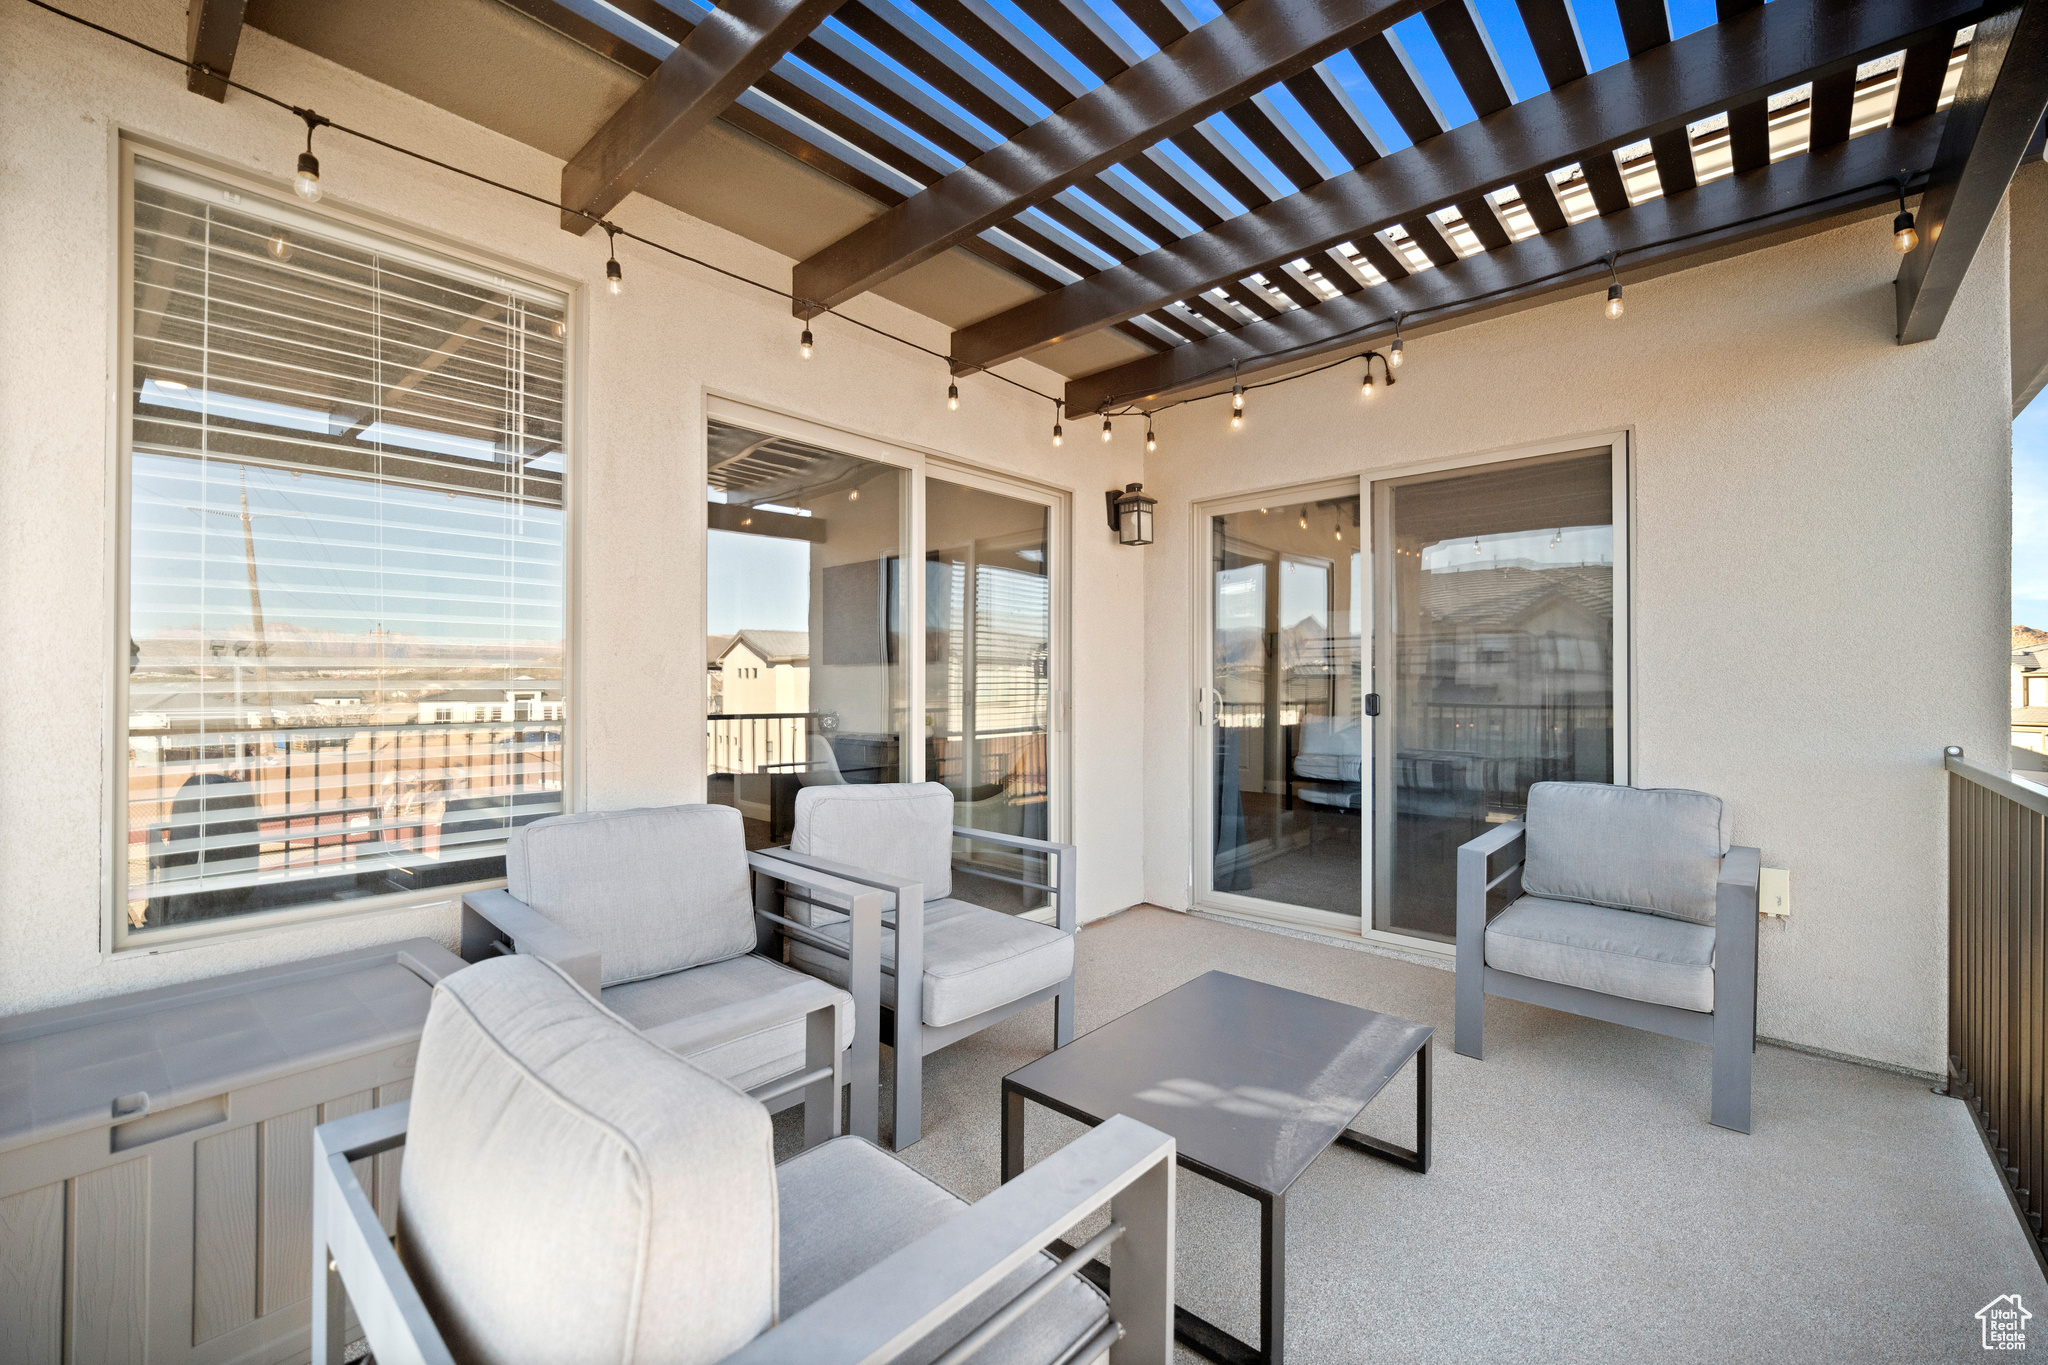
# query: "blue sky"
[2030,517]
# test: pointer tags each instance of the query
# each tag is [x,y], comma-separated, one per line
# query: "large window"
[345,540]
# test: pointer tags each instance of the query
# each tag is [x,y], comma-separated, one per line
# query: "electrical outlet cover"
[1774,892]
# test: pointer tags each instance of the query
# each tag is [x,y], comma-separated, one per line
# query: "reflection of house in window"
[766,672]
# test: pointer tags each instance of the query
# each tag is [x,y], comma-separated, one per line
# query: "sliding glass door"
[1282,723]
[1499,655]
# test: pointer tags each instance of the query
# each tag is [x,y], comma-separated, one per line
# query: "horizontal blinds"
[346,592]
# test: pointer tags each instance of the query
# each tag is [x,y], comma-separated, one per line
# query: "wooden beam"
[736,45]
[1456,27]
[1554,33]
[1253,44]
[1799,193]
[213,30]
[1999,102]
[1781,45]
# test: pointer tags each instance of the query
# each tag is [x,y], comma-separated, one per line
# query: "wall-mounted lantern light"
[1130,514]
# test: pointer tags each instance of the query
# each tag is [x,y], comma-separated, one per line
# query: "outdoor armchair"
[969,966]
[1621,904]
[652,912]
[571,1192]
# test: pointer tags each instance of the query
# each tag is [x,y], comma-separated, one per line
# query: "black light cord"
[1122,402]
[314,120]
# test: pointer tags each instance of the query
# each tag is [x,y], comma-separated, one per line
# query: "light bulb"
[1058,437]
[306,180]
[614,278]
[803,344]
[1237,419]
[1151,441]
[1105,431]
[1368,389]
[1614,309]
[1340,533]
[853,495]
[1304,518]
[1904,238]
[1394,353]
[953,397]
[279,246]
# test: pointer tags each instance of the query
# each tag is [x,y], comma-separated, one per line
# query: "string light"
[1058,436]
[614,278]
[1236,399]
[953,397]
[1151,441]
[1105,431]
[1386,368]
[1614,309]
[853,495]
[1304,518]
[803,344]
[1394,351]
[306,179]
[1904,238]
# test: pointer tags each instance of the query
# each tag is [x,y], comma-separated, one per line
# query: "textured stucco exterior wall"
[1821,575]
[649,358]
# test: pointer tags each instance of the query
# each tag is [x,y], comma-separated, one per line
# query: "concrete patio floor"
[1580,1207]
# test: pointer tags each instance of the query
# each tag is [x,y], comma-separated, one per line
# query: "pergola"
[1218,195]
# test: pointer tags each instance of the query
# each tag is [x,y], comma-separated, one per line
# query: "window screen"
[346,634]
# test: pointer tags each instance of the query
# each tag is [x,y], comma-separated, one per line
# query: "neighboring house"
[714,672]
[474,705]
[764,672]
[2029,691]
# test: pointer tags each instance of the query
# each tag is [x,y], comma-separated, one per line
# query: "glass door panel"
[1286,692]
[806,676]
[1495,646]
[988,673]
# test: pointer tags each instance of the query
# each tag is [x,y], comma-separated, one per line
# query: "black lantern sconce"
[1130,514]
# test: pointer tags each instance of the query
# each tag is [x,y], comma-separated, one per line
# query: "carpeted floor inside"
[1580,1207]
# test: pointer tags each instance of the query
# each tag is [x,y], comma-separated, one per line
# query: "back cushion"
[1652,849]
[655,890]
[572,1192]
[897,829]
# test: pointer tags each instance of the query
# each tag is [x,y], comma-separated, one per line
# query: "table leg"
[1013,1135]
[1422,1118]
[1273,1280]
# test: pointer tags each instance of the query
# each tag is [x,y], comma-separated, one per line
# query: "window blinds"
[346,549]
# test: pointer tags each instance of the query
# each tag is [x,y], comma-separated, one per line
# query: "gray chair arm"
[354,1264]
[885,1311]
[494,918]
[1735,927]
[1503,844]
[1062,855]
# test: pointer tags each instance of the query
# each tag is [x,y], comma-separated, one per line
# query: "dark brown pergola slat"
[1999,101]
[1782,45]
[1673,152]
[1540,198]
[734,48]
[1484,222]
[1921,77]
[1800,192]
[213,31]
[1252,45]
[1424,232]
[1554,32]
[1385,63]
[1356,144]
[1380,256]
[1462,38]
[1644,24]
[1833,106]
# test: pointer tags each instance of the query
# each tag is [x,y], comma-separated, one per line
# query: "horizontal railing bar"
[2007,784]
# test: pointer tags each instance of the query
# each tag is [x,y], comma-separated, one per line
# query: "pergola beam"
[1999,101]
[1254,44]
[213,30]
[1799,192]
[1670,85]
[737,44]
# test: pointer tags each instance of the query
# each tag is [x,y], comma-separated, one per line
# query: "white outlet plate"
[1774,892]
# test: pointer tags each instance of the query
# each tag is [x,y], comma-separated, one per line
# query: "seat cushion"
[846,1205]
[1330,750]
[896,829]
[1656,850]
[974,959]
[654,890]
[682,1008]
[1616,952]
[572,1192]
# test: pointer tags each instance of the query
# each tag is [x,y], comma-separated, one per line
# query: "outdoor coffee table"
[1253,1082]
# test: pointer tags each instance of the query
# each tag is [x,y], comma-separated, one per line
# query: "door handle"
[1372,703]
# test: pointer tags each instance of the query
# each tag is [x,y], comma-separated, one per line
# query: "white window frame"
[116,938]
[1201,871]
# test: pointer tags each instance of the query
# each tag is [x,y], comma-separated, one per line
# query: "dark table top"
[1252,1081]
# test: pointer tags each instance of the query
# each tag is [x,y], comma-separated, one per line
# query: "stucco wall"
[1821,575]
[649,358]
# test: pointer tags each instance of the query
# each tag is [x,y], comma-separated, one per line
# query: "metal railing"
[1998,974]
[756,741]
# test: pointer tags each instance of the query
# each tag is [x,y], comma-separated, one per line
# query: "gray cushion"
[897,829]
[654,890]
[1616,952]
[974,959]
[1330,750]
[847,1205]
[679,1009]
[573,1193]
[1657,850]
